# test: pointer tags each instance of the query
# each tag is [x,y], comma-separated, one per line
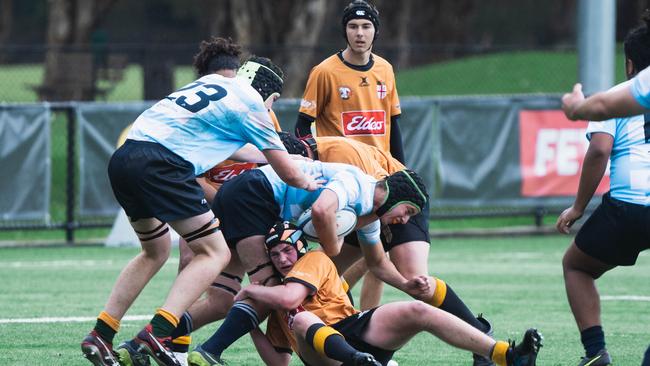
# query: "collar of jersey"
[365,67]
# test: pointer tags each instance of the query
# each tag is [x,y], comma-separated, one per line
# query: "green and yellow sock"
[163,323]
[106,326]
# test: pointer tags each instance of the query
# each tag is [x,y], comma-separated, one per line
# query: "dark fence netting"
[478,155]
[25,155]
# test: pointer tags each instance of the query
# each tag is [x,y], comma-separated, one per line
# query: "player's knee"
[301,322]
[416,312]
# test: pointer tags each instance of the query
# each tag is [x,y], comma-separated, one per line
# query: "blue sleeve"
[641,88]
[258,129]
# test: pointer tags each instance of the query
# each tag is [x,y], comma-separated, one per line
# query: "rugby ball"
[346,220]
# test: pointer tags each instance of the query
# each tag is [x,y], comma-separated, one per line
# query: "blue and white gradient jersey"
[630,158]
[641,88]
[354,189]
[207,121]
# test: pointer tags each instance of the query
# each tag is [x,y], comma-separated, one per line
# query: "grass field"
[516,282]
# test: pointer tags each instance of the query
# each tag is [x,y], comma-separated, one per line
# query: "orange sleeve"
[313,97]
[311,270]
[276,122]
[395,108]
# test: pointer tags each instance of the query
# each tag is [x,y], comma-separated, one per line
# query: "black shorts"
[353,327]
[616,232]
[245,206]
[416,229]
[149,180]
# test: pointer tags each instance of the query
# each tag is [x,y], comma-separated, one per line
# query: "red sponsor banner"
[357,123]
[552,152]
[228,170]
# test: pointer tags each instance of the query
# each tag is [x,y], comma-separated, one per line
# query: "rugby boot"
[525,353]
[364,359]
[201,357]
[98,351]
[156,348]
[181,357]
[480,360]
[599,359]
[128,355]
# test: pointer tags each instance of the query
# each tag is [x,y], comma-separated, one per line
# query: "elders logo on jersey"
[364,123]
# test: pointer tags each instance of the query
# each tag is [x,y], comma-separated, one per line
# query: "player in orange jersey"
[353,93]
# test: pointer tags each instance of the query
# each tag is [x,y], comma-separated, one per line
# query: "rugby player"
[617,231]
[249,204]
[314,317]
[407,243]
[153,176]
[353,92]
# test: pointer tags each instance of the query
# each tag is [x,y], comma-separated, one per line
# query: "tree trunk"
[69,62]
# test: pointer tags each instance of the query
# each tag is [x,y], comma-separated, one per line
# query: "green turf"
[516,282]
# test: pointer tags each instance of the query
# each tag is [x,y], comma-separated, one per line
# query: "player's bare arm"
[593,170]
[284,297]
[385,270]
[289,172]
[323,214]
[600,106]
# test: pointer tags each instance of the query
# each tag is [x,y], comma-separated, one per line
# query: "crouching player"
[313,315]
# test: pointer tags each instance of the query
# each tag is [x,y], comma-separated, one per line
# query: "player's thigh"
[385,331]
[202,234]
[575,259]
[255,260]
[153,235]
[411,259]
[228,282]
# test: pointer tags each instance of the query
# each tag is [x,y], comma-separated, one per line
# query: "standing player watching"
[353,92]
[153,176]
[617,231]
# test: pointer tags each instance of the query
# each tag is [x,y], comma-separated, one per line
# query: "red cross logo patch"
[381,90]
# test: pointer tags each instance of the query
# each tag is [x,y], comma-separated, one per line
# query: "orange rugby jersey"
[328,301]
[347,101]
[229,169]
[369,159]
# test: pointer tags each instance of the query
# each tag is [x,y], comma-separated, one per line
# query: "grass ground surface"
[516,282]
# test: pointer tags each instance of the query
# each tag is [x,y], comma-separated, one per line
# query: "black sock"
[593,339]
[454,305]
[105,331]
[185,326]
[241,319]
[330,343]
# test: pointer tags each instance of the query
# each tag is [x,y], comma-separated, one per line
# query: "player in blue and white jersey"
[153,176]
[251,203]
[619,229]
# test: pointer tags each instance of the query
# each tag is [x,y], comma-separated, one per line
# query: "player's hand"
[243,293]
[566,219]
[314,182]
[570,101]
[418,287]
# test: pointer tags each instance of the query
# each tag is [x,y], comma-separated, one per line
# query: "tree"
[69,62]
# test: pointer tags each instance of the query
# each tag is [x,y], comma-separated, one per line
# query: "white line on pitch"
[68,263]
[625,298]
[75,319]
